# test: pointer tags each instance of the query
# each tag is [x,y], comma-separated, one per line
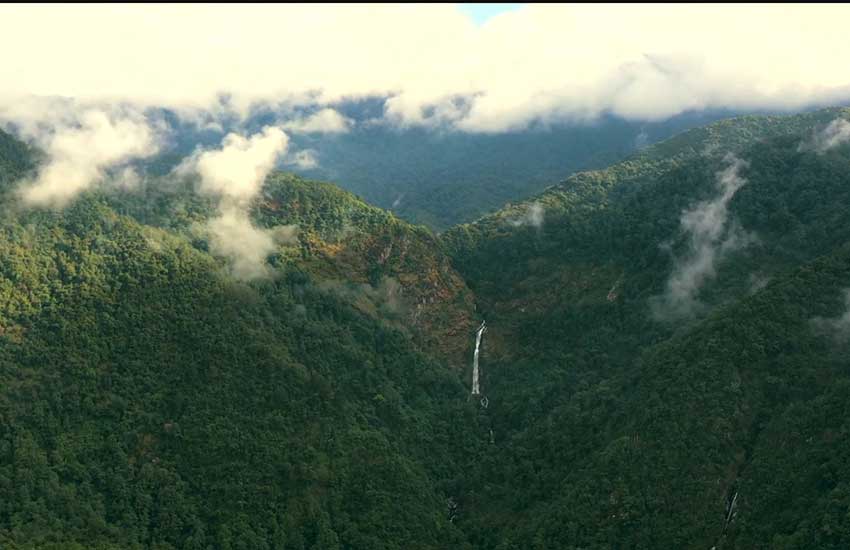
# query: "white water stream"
[476,388]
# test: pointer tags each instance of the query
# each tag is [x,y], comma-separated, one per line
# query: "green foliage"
[440,177]
[149,400]
[620,430]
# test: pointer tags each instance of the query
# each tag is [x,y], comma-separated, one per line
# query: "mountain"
[150,400]
[443,177]
[664,364]
[657,343]
[438,176]
[16,158]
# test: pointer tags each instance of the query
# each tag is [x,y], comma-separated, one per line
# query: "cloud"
[128,179]
[232,235]
[758,281]
[326,121]
[238,169]
[835,133]
[537,63]
[641,140]
[533,216]
[839,327]
[306,159]
[235,173]
[710,238]
[84,144]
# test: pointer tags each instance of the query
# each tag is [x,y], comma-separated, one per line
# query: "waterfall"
[476,388]
[731,511]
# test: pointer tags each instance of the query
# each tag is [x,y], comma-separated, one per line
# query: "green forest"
[665,365]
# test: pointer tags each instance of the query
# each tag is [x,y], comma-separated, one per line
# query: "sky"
[481,12]
[475,68]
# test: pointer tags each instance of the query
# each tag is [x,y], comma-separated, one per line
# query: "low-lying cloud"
[533,216]
[235,173]
[837,328]
[305,159]
[238,169]
[710,237]
[84,145]
[233,236]
[325,121]
[834,134]
[387,297]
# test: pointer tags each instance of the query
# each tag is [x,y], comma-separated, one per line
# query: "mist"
[834,134]
[84,144]
[711,236]
[235,173]
[533,216]
[838,328]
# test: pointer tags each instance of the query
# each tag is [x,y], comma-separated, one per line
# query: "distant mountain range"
[440,177]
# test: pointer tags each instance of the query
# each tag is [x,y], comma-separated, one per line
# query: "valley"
[664,363]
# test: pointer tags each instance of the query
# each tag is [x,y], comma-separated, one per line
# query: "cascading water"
[476,388]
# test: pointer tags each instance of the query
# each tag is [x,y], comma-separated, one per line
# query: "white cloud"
[711,237]
[326,121]
[82,143]
[835,133]
[533,216]
[641,140]
[238,169]
[304,159]
[235,173]
[544,62]
[128,179]
[233,236]
[837,327]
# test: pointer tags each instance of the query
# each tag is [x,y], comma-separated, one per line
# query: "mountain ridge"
[151,399]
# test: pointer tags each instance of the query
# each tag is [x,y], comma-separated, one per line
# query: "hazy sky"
[484,11]
[510,66]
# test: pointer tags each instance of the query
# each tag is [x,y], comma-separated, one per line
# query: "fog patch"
[233,236]
[84,144]
[533,216]
[711,237]
[325,121]
[757,282]
[837,328]
[306,159]
[834,134]
[234,174]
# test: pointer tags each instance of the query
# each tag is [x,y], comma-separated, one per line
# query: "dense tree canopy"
[150,399]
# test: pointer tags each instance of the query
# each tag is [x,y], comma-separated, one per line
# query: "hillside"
[639,332]
[664,365]
[149,400]
[441,177]
[438,176]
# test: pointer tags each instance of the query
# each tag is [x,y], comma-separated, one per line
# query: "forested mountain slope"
[441,177]
[383,265]
[435,174]
[656,329]
[665,364]
[150,400]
